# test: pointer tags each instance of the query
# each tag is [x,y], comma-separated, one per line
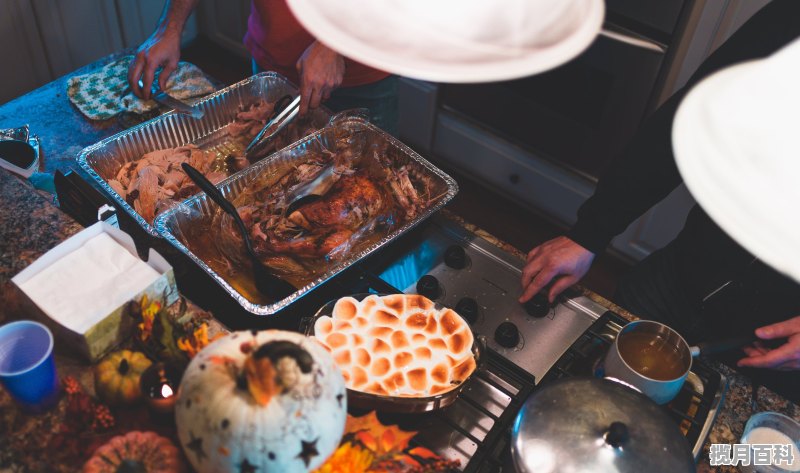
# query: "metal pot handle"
[624,383]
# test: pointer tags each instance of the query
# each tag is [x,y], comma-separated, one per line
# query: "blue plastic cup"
[27,369]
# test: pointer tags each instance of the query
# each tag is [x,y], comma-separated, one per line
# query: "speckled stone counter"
[29,226]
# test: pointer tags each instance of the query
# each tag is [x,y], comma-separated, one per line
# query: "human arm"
[785,357]
[640,177]
[162,48]
[321,71]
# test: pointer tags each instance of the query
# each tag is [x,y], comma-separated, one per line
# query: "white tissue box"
[81,287]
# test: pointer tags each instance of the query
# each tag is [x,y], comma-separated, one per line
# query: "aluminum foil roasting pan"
[190,228]
[103,160]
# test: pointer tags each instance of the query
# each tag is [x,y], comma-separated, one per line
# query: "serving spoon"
[310,191]
[266,282]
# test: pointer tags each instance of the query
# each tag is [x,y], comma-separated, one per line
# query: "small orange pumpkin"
[116,377]
[145,452]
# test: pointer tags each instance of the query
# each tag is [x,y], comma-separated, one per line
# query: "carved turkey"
[330,221]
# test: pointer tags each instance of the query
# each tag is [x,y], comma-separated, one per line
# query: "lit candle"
[158,385]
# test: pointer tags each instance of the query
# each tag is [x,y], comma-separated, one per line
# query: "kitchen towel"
[104,94]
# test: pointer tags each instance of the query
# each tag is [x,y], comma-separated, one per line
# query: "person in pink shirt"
[277,42]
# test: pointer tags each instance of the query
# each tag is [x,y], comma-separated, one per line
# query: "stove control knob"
[507,335]
[467,307]
[538,305]
[428,286]
[455,257]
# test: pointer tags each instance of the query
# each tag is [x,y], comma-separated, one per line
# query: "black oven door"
[578,115]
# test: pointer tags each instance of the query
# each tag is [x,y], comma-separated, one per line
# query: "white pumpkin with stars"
[268,401]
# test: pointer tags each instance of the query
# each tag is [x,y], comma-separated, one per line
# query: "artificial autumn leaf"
[377,437]
[356,424]
[423,452]
[385,446]
[196,341]
[396,464]
[170,350]
[261,379]
[348,458]
[368,440]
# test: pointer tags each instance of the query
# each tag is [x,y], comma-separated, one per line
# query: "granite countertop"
[30,225]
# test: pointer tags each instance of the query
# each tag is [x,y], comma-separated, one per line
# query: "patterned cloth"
[105,93]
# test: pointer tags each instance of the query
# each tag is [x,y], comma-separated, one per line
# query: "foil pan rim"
[271,309]
[83,156]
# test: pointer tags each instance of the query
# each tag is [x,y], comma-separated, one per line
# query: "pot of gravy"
[651,357]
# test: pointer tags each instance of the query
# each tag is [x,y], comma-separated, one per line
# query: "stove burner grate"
[691,408]
[476,428]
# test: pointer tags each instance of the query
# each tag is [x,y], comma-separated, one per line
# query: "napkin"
[82,287]
[105,93]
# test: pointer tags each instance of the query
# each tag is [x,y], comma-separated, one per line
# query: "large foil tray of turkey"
[102,161]
[193,226]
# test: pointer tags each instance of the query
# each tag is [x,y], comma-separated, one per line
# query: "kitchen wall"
[45,39]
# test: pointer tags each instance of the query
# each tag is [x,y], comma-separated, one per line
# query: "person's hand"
[559,258]
[321,70]
[162,48]
[785,357]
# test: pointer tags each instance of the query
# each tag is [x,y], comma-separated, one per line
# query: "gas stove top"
[458,269]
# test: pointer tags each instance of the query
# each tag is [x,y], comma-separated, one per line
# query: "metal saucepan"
[656,359]
[582,424]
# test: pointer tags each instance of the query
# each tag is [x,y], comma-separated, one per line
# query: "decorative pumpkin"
[269,401]
[136,452]
[116,377]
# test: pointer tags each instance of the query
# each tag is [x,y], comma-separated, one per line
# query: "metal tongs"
[273,127]
[164,98]
[306,193]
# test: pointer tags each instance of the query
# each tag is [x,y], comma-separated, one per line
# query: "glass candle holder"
[159,385]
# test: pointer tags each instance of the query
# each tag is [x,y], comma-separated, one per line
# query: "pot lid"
[454,40]
[735,141]
[591,424]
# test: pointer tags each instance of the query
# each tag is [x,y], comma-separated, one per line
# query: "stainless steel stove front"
[491,277]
